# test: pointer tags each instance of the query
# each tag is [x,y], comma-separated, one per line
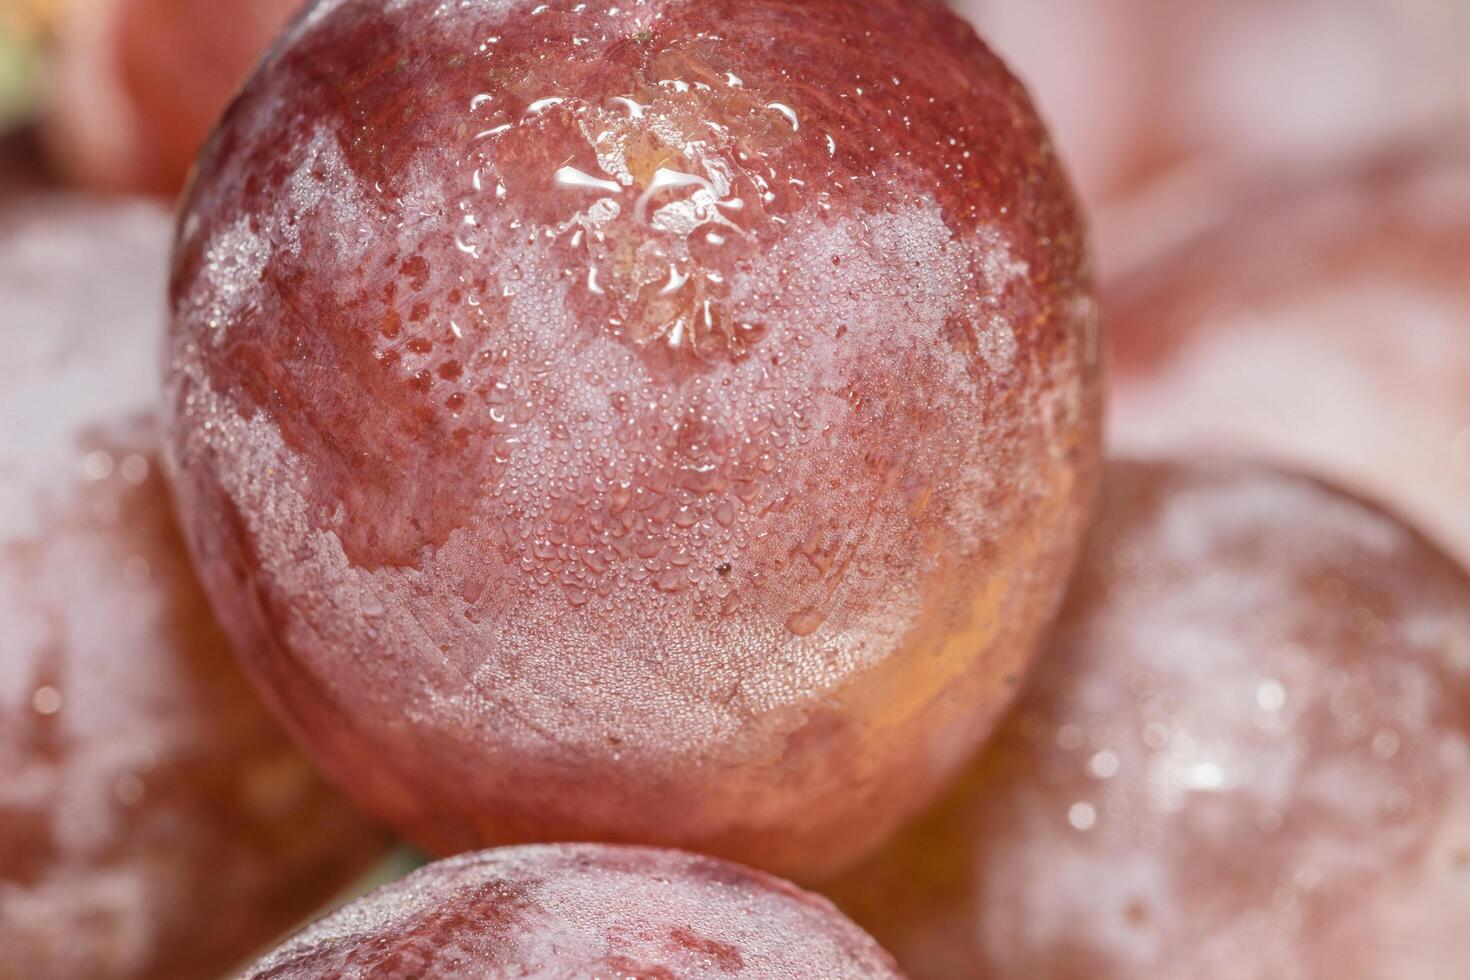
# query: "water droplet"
[134,468]
[805,622]
[97,465]
[1271,696]
[635,110]
[541,105]
[1206,776]
[488,133]
[572,177]
[1082,816]
[788,112]
[1070,738]
[1385,744]
[47,700]
[665,179]
[1104,765]
[1155,735]
[676,281]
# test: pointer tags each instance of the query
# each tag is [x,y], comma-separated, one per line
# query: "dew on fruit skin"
[680,381]
[788,113]
[541,105]
[587,910]
[635,110]
[572,177]
[665,179]
[97,465]
[1271,696]
[1103,765]
[805,622]
[47,700]
[1082,816]
[135,469]
[1070,737]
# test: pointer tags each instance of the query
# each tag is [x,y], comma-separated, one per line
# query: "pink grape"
[570,911]
[1246,756]
[670,423]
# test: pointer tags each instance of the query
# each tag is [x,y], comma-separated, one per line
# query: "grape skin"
[594,427]
[570,911]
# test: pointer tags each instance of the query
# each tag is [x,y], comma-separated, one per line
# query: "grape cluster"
[609,440]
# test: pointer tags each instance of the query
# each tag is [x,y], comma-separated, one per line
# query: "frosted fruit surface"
[571,911]
[139,84]
[1246,756]
[1329,329]
[154,821]
[666,422]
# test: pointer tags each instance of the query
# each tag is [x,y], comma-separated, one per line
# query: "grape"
[1328,328]
[140,83]
[1245,756]
[668,423]
[1140,90]
[154,821]
[565,911]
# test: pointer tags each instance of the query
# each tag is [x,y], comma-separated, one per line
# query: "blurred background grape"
[1183,103]
[138,84]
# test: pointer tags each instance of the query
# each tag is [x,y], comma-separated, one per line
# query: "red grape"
[570,911]
[140,83]
[664,424]
[154,821]
[1138,90]
[1329,329]
[1245,757]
